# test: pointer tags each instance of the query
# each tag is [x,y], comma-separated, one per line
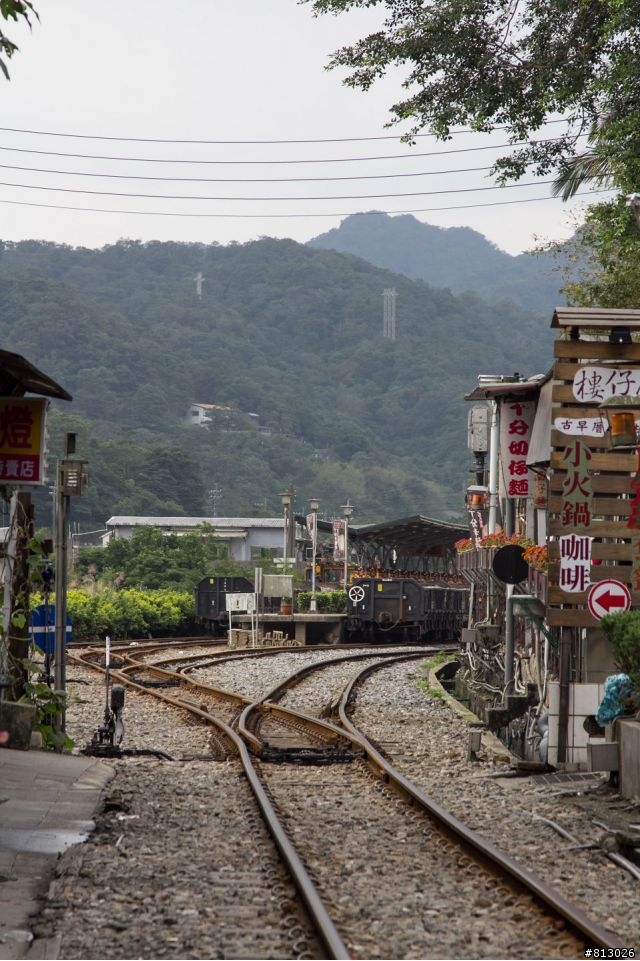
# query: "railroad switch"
[308,755]
[108,737]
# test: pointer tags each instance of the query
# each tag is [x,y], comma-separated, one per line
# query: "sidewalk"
[47,802]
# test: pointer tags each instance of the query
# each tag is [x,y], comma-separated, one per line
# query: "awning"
[416,536]
[18,377]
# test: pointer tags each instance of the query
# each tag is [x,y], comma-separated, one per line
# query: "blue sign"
[42,628]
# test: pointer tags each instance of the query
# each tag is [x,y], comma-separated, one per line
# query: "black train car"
[405,610]
[211,604]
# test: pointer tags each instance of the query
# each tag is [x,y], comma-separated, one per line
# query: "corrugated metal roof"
[416,534]
[219,522]
[518,388]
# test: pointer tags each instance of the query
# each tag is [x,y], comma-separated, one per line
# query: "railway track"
[380,867]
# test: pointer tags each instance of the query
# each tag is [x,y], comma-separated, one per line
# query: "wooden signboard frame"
[610,470]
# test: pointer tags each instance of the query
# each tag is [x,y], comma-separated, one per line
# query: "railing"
[480,559]
[537,582]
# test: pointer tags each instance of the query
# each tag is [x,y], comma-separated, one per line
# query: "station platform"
[303,628]
[47,804]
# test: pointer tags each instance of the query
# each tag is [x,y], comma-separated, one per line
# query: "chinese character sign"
[577,487]
[516,420]
[477,523]
[581,426]
[575,562]
[592,385]
[22,426]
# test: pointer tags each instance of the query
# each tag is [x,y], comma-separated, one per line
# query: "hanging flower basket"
[537,557]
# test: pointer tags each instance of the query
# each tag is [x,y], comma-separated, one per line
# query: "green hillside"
[282,331]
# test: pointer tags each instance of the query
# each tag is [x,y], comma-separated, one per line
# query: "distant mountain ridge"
[457,258]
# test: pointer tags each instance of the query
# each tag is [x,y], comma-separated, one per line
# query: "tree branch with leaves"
[515,64]
[13,10]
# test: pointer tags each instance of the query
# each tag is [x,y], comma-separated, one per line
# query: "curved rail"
[484,850]
[325,928]
[325,729]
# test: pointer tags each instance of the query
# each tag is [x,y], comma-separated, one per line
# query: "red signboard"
[516,420]
[22,428]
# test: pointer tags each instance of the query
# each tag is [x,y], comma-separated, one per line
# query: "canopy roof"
[416,536]
[18,377]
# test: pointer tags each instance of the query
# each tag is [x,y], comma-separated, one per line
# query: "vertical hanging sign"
[577,506]
[22,440]
[338,540]
[516,420]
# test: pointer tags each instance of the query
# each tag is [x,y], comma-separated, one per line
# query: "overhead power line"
[291,216]
[245,162]
[271,199]
[241,180]
[83,136]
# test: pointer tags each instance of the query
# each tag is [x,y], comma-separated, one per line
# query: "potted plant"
[286,605]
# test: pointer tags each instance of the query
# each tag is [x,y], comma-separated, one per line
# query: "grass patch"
[438,660]
[433,692]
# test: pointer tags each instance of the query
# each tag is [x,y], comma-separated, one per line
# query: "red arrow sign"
[609,601]
[608,597]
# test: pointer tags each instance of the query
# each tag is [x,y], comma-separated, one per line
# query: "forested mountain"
[280,330]
[455,257]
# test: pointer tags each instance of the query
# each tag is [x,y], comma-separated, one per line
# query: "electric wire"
[140,196]
[242,180]
[279,216]
[81,136]
[244,162]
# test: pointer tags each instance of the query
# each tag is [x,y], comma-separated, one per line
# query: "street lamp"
[287,498]
[314,503]
[347,510]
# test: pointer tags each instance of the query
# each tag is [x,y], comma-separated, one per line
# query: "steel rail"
[266,702]
[122,673]
[484,850]
[318,914]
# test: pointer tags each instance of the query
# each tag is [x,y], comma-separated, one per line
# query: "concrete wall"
[629,758]
[584,700]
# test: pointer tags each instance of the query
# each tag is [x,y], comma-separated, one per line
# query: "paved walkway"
[47,802]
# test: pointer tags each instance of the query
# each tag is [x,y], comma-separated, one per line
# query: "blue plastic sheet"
[618,688]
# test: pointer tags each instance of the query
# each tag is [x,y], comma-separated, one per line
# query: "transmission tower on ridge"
[389,297]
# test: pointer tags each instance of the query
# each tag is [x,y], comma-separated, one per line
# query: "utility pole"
[70,481]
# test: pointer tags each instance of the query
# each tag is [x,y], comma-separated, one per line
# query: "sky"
[216,121]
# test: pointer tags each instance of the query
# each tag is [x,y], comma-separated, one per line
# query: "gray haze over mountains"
[456,258]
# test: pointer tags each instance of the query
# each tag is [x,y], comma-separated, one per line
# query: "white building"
[245,537]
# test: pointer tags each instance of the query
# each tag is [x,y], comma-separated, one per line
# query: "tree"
[602,259]
[155,560]
[510,63]
[12,10]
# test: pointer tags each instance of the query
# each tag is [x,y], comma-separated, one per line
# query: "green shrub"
[622,630]
[327,602]
[130,613]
